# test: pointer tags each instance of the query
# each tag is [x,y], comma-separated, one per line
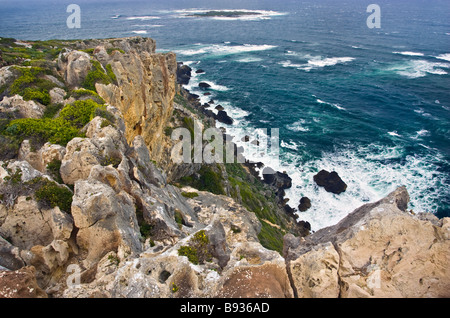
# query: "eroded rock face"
[20,284]
[379,250]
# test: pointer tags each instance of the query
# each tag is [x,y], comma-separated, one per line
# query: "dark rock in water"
[193,97]
[305,204]
[330,181]
[206,94]
[204,85]
[219,107]
[199,71]
[278,179]
[223,117]
[245,138]
[183,74]
[288,209]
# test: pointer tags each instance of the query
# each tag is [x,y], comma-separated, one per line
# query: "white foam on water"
[314,62]
[445,57]
[298,126]
[407,53]
[369,178]
[139,32]
[223,49]
[331,104]
[419,68]
[393,133]
[261,14]
[249,60]
[144,18]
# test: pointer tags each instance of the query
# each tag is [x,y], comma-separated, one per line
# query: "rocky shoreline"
[92,206]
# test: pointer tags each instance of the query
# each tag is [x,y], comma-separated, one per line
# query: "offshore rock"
[330,181]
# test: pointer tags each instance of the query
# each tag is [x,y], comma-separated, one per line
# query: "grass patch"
[189,195]
[31,86]
[197,251]
[50,194]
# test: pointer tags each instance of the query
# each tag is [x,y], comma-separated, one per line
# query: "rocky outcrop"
[379,250]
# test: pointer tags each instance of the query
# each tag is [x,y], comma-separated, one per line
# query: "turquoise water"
[371,104]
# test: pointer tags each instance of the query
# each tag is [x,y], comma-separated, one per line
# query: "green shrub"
[96,75]
[31,87]
[198,249]
[110,73]
[51,194]
[53,168]
[79,93]
[189,195]
[79,113]
[56,131]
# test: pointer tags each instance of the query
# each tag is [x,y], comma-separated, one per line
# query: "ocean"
[372,104]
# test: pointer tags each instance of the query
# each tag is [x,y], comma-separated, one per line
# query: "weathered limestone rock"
[106,221]
[39,159]
[26,109]
[379,250]
[74,65]
[20,284]
[81,155]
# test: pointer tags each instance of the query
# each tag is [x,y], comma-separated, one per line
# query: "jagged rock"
[106,220]
[26,109]
[5,75]
[330,181]
[305,204]
[254,272]
[10,255]
[20,284]
[379,250]
[183,74]
[280,180]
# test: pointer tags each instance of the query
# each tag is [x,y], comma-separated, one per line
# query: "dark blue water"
[371,104]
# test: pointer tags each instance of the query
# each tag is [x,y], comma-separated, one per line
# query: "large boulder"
[379,250]
[305,204]
[330,181]
[74,66]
